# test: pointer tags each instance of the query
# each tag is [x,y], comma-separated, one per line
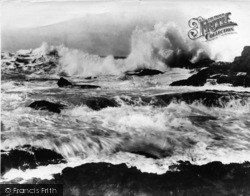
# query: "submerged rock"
[28,157]
[98,103]
[90,78]
[62,82]
[209,98]
[150,151]
[22,60]
[87,86]
[46,105]
[144,72]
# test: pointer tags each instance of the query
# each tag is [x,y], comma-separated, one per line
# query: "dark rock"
[201,63]
[26,156]
[184,61]
[98,103]
[146,154]
[120,57]
[17,64]
[144,72]
[62,82]
[201,77]
[149,151]
[213,178]
[53,53]
[2,126]
[24,55]
[40,79]
[90,78]
[209,98]
[236,79]
[236,73]
[22,60]
[46,105]
[87,86]
[242,63]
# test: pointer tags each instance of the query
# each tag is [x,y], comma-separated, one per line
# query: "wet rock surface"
[213,178]
[62,82]
[236,73]
[144,72]
[98,103]
[242,63]
[209,98]
[46,105]
[28,157]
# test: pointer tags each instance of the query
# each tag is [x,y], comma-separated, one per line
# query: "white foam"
[152,49]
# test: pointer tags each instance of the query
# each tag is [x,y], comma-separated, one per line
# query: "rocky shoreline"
[236,73]
[214,178]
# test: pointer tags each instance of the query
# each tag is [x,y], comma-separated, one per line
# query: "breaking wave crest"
[159,48]
[153,49]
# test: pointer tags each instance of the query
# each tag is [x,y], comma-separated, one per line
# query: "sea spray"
[157,48]
[161,47]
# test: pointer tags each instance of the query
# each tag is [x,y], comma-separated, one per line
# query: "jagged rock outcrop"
[236,73]
[242,63]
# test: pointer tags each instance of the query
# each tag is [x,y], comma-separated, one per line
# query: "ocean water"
[123,134]
[140,131]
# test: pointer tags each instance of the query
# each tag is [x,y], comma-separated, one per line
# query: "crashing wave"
[159,48]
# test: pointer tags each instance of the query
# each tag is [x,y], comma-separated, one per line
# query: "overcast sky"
[34,13]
